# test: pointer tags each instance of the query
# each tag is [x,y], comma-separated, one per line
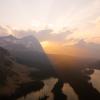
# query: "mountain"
[82,43]
[28,51]
[83,49]
[92,48]
[8,38]
[29,42]
[32,43]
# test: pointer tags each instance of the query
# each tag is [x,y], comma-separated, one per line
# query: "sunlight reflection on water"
[68,90]
[46,91]
[95,79]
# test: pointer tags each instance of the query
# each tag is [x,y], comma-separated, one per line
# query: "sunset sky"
[53,22]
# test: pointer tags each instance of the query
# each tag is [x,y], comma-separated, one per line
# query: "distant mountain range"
[93,49]
[82,49]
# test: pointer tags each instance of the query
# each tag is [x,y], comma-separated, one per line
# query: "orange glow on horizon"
[58,48]
[51,47]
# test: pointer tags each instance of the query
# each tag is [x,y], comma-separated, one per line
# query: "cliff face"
[11,73]
[6,62]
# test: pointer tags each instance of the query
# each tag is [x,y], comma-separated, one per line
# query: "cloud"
[4,31]
[44,35]
[48,35]
[23,33]
[89,33]
[93,31]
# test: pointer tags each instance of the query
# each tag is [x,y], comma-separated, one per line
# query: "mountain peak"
[8,37]
[11,36]
[81,43]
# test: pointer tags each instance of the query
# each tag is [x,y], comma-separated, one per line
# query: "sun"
[44,44]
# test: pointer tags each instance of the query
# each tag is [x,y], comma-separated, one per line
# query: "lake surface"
[95,79]
[67,90]
[46,91]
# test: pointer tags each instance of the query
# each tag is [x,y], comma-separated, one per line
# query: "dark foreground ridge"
[79,81]
[24,90]
[57,91]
